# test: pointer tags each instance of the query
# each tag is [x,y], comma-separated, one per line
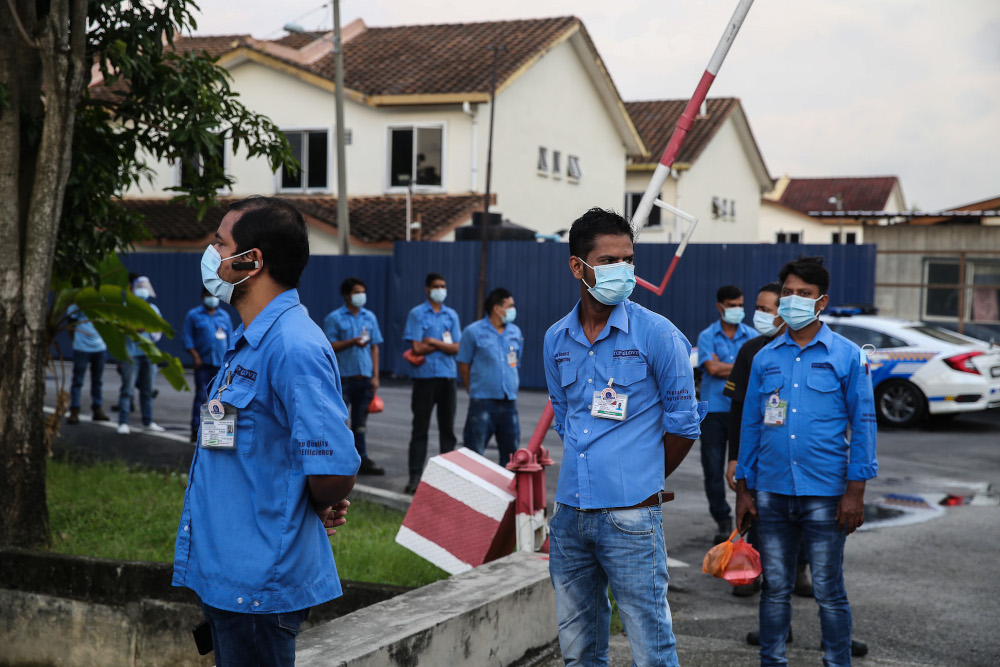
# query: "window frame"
[542,163]
[574,172]
[970,287]
[557,164]
[303,164]
[387,185]
[655,211]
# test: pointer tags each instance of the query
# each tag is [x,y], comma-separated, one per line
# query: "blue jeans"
[588,550]
[489,417]
[714,434]
[783,523]
[144,369]
[81,360]
[253,639]
[357,392]
[202,378]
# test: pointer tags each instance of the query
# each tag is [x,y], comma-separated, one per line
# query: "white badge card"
[446,337]
[364,337]
[512,357]
[218,432]
[775,412]
[609,404]
[220,334]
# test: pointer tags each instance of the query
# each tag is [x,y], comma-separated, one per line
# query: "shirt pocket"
[241,398]
[769,386]
[627,374]
[825,398]
[567,375]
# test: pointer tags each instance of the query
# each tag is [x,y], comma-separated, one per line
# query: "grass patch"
[109,511]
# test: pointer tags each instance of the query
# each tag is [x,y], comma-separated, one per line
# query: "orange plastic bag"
[718,557]
[744,566]
[377,405]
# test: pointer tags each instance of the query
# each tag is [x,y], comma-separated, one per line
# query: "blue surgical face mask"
[211,260]
[141,292]
[764,323]
[733,315]
[359,300]
[438,294]
[211,302]
[797,311]
[613,283]
[509,316]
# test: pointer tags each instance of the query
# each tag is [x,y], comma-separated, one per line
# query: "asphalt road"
[923,593]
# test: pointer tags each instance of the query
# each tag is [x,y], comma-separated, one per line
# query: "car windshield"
[942,335]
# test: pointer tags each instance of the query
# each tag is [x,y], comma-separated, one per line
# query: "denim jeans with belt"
[488,417]
[240,639]
[783,523]
[81,361]
[590,550]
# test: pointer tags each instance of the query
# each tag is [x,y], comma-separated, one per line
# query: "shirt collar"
[254,334]
[824,337]
[617,319]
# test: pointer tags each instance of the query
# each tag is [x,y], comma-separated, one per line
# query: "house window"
[190,171]
[543,160]
[632,200]
[556,163]
[982,304]
[312,150]
[724,209]
[788,237]
[852,237]
[573,170]
[416,156]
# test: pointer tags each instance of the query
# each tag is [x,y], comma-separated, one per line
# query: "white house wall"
[774,219]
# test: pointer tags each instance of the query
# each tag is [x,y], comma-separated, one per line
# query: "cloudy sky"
[831,88]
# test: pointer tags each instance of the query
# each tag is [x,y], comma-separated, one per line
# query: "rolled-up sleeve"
[669,356]
[861,411]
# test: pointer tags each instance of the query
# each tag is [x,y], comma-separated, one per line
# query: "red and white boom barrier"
[468,510]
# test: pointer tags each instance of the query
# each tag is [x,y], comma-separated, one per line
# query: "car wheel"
[899,403]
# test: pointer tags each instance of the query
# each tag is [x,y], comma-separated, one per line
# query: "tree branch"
[20,26]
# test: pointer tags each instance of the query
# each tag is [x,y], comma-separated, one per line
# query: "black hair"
[205,291]
[431,278]
[278,229]
[727,292]
[349,284]
[810,270]
[596,222]
[772,287]
[495,298]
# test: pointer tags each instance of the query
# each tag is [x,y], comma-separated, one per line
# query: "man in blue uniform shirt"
[622,390]
[90,351]
[205,336]
[432,332]
[718,346]
[807,447]
[488,359]
[275,459]
[354,335]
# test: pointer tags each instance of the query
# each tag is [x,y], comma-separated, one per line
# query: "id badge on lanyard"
[609,404]
[776,411]
[218,421]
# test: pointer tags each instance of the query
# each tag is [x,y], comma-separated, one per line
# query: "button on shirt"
[341,325]
[423,322]
[713,340]
[486,350]
[201,329]
[249,539]
[608,463]
[85,336]
[828,392]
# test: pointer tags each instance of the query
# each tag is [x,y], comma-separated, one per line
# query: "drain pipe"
[474,115]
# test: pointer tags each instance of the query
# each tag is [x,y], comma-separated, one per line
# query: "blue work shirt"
[133,348]
[713,340]
[202,331]
[249,539]
[486,350]
[85,336]
[608,463]
[424,322]
[341,325]
[827,389]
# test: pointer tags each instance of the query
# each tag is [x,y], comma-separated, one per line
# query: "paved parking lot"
[926,593]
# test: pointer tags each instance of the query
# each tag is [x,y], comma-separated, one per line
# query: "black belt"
[654,500]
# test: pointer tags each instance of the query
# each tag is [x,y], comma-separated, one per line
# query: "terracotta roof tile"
[295,40]
[213,45]
[374,220]
[436,59]
[655,120]
[857,194]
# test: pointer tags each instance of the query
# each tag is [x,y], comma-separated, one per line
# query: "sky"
[909,88]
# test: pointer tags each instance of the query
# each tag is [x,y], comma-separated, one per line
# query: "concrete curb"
[391,499]
[492,615]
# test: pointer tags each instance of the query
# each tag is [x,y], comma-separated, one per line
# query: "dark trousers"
[357,391]
[714,434]
[202,378]
[254,639]
[82,361]
[428,392]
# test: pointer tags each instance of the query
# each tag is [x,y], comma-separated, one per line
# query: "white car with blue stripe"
[919,369]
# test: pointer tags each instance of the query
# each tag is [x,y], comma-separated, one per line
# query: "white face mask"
[764,323]
[439,294]
[359,300]
[211,260]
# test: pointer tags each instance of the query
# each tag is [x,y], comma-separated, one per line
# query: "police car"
[920,369]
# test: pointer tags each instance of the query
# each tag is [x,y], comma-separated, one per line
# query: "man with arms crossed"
[622,390]
[275,459]
[807,447]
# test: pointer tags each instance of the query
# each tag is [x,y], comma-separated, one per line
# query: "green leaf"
[114,305]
